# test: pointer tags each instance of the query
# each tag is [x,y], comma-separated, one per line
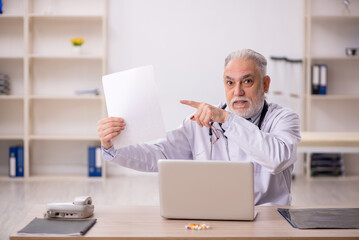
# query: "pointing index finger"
[190,103]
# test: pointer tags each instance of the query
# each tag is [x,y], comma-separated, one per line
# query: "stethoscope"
[263,114]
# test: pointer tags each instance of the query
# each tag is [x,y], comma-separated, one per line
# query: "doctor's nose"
[238,91]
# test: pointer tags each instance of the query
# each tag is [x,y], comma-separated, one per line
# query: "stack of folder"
[327,164]
[4,85]
[319,79]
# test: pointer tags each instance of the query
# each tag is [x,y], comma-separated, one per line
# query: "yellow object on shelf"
[77,41]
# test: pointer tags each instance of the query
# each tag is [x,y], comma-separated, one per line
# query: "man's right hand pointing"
[206,113]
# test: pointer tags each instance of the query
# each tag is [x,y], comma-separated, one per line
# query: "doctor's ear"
[266,83]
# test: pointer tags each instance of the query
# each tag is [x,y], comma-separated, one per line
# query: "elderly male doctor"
[245,128]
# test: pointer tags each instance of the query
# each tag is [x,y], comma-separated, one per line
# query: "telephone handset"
[81,207]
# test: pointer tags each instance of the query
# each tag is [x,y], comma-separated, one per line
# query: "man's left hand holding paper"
[109,128]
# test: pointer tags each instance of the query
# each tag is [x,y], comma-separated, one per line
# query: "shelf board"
[334,17]
[51,177]
[11,16]
[336,58]
[12,57]
[66,97]
[67,57]
[38,177]
[329,139]
[7,178]
[11,137]
[64,16]
[65,137]
[11,97]
[334,97]
[53,97]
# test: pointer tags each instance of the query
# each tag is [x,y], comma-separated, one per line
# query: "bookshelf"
[44,114]
[329,29]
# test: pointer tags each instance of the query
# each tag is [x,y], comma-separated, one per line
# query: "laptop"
[212,190]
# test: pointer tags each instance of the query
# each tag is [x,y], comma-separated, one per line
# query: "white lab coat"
[272,150]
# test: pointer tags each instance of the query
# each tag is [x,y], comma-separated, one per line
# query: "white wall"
[187,41]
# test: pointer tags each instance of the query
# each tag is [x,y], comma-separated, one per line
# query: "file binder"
[16,161]
[315,79]
[323,74]
[94,162]
[20,162]
[12,162]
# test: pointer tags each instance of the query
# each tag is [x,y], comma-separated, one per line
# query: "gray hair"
[248,54]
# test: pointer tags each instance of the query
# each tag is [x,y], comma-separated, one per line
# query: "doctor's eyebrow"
[229,78]
[247,76]
[241,78]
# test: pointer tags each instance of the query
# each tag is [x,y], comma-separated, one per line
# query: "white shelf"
[65,137]
[64,16]
[67,57]
[14,68]
[65,117]
[12,117]
[334,97]
[64,97]
[11,16]
[322,139]
[12,57]
[11,97]
[334,18]
[5,177]
[55,32]
[336,58]
[11,137]
[331,119]
[11,36]
[67,7]
[43,112]
[56,177]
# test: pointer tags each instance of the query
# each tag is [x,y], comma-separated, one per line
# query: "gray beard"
[253,106]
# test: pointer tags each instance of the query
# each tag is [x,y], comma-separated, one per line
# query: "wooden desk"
[144,222]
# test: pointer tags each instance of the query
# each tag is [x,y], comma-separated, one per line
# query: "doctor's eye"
[248,82]
[229,83]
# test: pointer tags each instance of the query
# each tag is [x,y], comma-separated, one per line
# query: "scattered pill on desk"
[196,226]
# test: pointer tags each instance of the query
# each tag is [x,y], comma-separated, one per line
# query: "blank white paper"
[133,96]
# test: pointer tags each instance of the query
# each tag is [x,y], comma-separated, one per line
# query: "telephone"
[81,207]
